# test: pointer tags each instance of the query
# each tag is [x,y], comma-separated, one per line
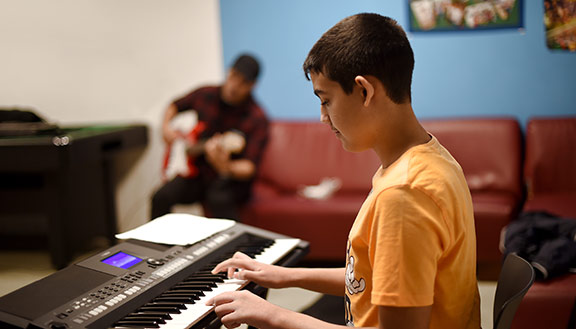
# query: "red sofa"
[550,174]
[302,153]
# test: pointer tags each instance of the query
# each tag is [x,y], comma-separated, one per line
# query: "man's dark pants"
[221,197]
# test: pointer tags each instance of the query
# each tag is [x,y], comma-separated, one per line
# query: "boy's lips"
[334,130]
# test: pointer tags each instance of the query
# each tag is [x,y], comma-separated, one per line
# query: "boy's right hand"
[242,267]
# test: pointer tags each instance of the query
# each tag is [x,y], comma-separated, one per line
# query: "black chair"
[516,277]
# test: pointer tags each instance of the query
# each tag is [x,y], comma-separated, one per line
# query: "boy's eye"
[324,103]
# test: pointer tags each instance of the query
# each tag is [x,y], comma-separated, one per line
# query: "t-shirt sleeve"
[406,242]
[187,102]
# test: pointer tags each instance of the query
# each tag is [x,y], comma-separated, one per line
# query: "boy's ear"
[367,88]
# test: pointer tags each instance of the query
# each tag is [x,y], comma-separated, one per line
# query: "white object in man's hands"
[183,123]
[233,141]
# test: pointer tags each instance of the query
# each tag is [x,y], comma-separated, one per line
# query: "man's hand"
[170,135]
[242,267]
[238,307]
[217,155]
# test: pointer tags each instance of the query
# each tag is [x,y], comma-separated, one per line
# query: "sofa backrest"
[304,152]
[489,151]
[550,164]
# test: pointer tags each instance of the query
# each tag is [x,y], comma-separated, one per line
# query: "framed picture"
[464,15]
[560,22]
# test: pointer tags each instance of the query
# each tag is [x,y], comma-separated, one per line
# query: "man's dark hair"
[248,66]
[365,44]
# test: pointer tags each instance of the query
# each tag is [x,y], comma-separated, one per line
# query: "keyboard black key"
[184,292]
[176,299]
[202,286]
[136,324]
[163,315]
[164,309]
[213,278]
[156,319]
[166,304]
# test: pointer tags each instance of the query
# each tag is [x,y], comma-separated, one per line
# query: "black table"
[66,176]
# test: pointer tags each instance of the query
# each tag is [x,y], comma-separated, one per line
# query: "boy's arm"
[404,317]
[243,307]
[238,307]
[323,280]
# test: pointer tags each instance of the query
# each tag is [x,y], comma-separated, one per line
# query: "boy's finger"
[233,263]
[241,255]
[225,297]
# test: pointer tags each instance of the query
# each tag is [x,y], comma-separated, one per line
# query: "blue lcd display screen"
[122,260]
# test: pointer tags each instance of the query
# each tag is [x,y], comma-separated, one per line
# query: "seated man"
[229,138]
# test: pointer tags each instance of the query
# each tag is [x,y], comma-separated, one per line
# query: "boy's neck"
[404,132]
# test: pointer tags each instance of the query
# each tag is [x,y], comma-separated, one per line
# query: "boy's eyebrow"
[318,92]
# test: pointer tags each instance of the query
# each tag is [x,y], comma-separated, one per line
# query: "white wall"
[100,61]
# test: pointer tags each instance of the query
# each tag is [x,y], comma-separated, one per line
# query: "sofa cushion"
[559,204]
[493,211]
[302,153]
[550,155]
[549,166]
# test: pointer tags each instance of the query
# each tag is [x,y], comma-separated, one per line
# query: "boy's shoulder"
[423,167]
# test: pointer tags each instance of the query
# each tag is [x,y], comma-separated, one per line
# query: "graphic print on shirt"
[353,286]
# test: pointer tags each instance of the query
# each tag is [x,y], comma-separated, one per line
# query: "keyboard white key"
[197,311]
[279,249]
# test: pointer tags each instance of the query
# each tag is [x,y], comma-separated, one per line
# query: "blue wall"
[479,73]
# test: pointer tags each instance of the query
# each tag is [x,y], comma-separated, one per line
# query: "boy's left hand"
[238,307]
[243,267]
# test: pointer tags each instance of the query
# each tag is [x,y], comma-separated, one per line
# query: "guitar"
[177,159]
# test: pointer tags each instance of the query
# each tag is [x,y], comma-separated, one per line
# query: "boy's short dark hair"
[365,44]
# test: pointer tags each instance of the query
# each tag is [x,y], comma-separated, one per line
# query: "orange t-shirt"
[413,243]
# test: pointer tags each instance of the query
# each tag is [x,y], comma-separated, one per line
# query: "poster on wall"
[464,15]
[560,22]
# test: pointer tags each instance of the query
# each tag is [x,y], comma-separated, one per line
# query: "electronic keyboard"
[138,284]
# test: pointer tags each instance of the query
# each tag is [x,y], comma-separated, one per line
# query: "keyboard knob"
[155,262]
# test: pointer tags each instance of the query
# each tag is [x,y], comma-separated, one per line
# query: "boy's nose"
[324,118]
